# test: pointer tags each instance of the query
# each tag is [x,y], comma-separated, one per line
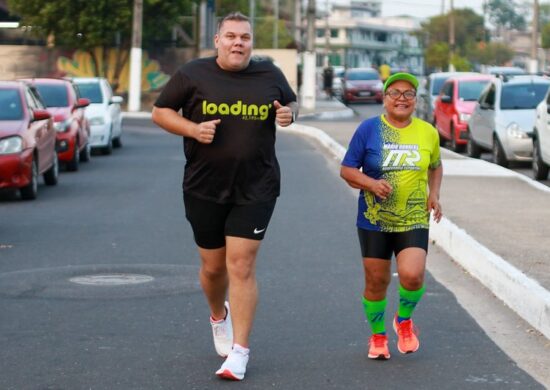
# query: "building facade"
[353,34]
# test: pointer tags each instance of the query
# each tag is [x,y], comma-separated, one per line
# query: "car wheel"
[499,157]
[454,146]
[86,153]
[108,148]
[30,191]
[472,149]
[117,142]
[72,165]
[51,175]
[540,168]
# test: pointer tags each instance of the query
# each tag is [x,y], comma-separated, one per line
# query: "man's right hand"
[206,131]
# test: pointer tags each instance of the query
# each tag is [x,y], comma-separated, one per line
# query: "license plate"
[365,93]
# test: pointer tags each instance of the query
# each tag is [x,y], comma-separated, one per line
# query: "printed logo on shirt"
[248,112]
[401,157]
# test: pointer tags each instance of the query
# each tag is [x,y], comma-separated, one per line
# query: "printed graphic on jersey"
[247,112]
[402,157]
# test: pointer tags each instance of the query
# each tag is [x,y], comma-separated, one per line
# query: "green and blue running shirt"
[402,157]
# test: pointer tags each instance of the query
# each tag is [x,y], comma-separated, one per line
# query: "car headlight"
[97,121]
[11,145]
[464,117]
[62,126]
[513,130]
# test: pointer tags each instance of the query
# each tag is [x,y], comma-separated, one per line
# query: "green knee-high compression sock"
[375,313]
[408,301]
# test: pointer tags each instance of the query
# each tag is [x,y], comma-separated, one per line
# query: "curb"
[500,277]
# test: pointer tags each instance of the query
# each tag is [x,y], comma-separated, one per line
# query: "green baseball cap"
[401,76]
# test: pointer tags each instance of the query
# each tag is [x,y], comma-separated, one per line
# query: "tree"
[104,24]
[434,34]
[505,14]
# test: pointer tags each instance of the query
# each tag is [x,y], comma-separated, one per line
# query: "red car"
[27,140]
[454,106]
[361,85]
[67,110]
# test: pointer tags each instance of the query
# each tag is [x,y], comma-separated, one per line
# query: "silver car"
[504,118]
[541,140]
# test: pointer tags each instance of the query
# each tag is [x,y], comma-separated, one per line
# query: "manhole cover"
[111,279]
[101,281]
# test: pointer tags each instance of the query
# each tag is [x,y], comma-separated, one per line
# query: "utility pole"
[134,90]
[252,9]
[309,85]
[451,37]
[276,24]
[298,23]
[533,65]
[327,36]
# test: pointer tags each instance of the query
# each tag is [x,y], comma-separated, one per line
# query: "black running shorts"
[382,245]
[212,222]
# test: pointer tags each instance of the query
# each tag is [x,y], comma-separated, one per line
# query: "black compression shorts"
[212,222]
[382,245]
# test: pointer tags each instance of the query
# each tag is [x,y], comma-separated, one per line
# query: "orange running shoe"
[378,347]
[407,342]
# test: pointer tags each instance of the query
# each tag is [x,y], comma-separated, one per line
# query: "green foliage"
[505,14]
[263,34]
[437,55]
[494,53]
[545,36]
[460,63]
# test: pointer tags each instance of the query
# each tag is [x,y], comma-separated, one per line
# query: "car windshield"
[91,91]
[437,84]
[363,76]
[53,95]
[11,105]
[522,96]
[470,90]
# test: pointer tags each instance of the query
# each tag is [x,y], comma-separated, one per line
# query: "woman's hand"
[435,206]
[380,188]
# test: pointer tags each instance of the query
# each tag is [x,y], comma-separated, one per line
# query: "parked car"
[541,140]
[504,119]
[104,113]
[67,109]
[505,70]
[425,102]
[361,85]
[27,140]
[454,107]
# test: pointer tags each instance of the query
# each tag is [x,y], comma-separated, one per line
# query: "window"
[470,90]
[447,89]
[522,96]
[54,95]
[11,105]
[91,91]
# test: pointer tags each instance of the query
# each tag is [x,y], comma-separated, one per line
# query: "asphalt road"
[120,219]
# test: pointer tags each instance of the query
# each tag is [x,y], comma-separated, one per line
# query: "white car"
[504,118]
[541,140]
[103,113]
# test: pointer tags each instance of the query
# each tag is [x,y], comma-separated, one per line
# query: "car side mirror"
[548,109]
[40,115]
[484,106]
[446,99]
[116,100]
[82,102]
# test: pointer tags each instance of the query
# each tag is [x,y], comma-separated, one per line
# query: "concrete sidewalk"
[495,223]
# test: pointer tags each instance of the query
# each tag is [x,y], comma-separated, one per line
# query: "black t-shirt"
[240,165]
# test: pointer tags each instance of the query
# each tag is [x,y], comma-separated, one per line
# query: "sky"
[426,8]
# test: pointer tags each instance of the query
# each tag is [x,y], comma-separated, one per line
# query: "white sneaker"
[234,366]
[223,333]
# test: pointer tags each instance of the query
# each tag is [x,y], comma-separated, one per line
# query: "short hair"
[235,16]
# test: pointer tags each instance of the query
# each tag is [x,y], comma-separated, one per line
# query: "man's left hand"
[283,114]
